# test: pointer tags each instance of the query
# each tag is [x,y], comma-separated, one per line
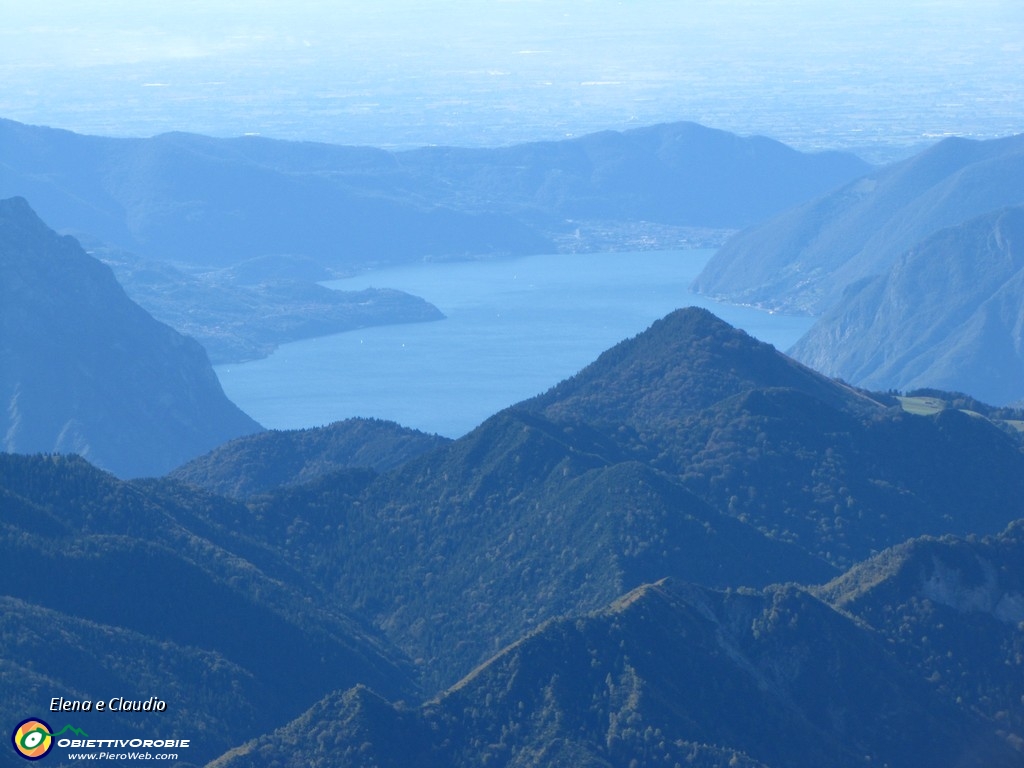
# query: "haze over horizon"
[870,77]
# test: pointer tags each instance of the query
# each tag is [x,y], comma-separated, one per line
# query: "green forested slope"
[113,589]
[669,674]
[642,566]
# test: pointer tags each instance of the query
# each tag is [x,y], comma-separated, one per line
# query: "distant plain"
[397,74]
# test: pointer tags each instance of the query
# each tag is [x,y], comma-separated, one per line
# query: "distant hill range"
[948,314]
[200,200]
[803,259]
[85,370]
[694,551]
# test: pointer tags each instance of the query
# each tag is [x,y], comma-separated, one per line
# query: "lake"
[514,328]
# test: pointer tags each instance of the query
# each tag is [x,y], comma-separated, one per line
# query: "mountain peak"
[686,361]
[15,207]
[21,226]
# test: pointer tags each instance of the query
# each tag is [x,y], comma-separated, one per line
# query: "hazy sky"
[403,71]
[52,33]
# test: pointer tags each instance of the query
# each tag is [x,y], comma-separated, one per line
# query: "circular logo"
[32,739]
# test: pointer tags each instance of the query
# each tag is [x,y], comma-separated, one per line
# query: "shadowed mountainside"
[86,370]
[803,259]
[135,590]
[947,315]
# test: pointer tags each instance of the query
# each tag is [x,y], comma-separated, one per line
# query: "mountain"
[675,173]
[469,546]
[274,459]
[947,315]
[85,370]
[685,362]
[801,457]
[691,451]
[207,201]
[952,609]
[138,590]
[212,201]
[669,674]
[803,259]
[44,653]
[656,561]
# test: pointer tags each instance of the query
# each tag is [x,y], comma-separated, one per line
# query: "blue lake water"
[514,328]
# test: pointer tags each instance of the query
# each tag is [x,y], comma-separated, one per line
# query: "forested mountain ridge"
[535,551]
[213,201]
[276,458]
[83,369]
[952,608]
[752,470]
[685,362]
[138,590]
[520,521]
[669,674]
